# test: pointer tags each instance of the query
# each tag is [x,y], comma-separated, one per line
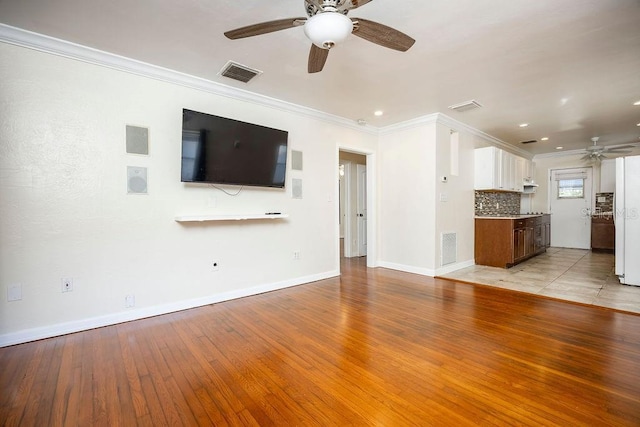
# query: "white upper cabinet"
[487,168]
[518,184]
[496,169]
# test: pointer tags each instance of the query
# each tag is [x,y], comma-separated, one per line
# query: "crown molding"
[51,45]
[54,46]
[559,154]
[454,124]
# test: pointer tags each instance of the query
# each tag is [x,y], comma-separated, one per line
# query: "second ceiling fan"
[597,152]
[327,25]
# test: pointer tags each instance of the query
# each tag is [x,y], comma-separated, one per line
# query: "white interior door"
[570,207]
[361,185]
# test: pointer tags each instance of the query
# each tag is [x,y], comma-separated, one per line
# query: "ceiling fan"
[328,25]
[596,152]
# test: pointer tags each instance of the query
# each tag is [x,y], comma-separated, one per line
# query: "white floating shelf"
[200,218]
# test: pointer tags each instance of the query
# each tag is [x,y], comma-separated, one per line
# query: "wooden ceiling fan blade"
[264,28]
[382,35]
[317,59]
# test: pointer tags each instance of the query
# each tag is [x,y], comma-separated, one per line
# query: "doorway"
[570,207]
[353,204]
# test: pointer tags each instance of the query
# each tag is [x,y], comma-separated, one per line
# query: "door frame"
[372,260]
[361,192]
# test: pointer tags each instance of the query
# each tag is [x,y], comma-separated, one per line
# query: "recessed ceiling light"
[544,139]
[636,103]
[523,125]
[559,148]
[378,113]
[638,124]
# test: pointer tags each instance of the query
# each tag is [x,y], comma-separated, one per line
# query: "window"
[571,188]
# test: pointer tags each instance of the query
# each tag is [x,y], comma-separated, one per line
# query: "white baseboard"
[408,268]
[427,271]
[143,312]
[454,267]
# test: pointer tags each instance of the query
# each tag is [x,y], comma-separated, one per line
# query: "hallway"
[569,274]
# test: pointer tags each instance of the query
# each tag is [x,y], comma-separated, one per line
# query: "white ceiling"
[569,68]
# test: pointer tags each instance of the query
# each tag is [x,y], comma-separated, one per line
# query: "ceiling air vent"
[239,72]
[531,141]
[465,106]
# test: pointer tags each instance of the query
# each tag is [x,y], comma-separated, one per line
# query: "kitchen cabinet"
[523,239]
[542,233]
[496,169]
[528,171]
[505,241]
[603,233]
[487,173]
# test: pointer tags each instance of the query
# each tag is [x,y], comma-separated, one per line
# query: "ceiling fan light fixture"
[327,29]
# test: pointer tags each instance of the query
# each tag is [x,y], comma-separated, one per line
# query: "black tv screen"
[218,150]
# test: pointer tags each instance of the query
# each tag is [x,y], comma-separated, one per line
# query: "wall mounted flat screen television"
[218,150]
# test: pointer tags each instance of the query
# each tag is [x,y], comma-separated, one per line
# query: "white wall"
[414,157]
[64,211]
[456,213]
[406,190]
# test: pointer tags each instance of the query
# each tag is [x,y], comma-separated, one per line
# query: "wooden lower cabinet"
[504,242]
[603,233]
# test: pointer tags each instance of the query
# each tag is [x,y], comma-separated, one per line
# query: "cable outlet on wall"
[129,301]
[67,284]
[215,266]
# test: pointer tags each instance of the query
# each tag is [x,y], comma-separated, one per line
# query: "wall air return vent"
[239,72]
[465,106]
[448,248]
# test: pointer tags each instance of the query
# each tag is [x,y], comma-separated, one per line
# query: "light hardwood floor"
[373,347]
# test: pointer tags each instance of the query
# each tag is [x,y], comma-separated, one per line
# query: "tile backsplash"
[493,203]
[604,202]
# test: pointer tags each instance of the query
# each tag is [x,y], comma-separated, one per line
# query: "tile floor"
[569,274]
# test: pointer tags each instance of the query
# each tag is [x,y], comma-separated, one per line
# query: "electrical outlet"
[215,266]
[129,301]
[497,205]
[67,284]
[296,255]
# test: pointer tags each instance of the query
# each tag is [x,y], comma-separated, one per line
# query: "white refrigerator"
[627,219]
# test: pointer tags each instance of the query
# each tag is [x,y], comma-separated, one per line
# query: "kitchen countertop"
[519,216]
